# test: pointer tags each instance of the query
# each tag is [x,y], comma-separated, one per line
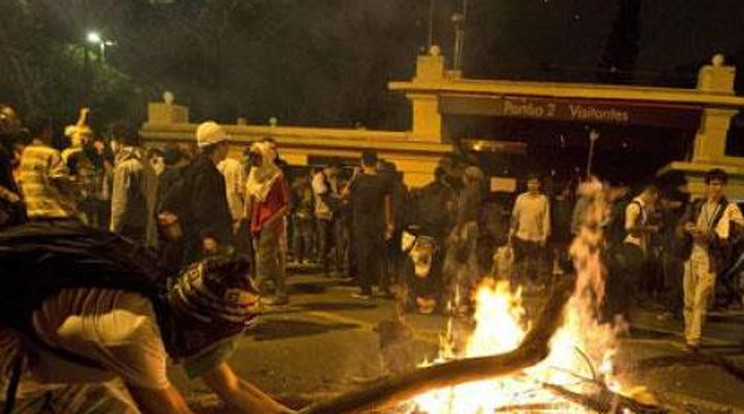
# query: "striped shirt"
[41,171]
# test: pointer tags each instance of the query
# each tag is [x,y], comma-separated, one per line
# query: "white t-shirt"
[116,329]
[531,217]
[234,175]
[636,214]
[705,219]
[321,186]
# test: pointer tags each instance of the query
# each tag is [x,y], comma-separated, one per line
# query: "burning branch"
[390,391]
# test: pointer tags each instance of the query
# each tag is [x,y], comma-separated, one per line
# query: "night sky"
[328,61]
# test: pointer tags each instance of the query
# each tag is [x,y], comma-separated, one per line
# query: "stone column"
[167,112]
[710,141]
[427,120]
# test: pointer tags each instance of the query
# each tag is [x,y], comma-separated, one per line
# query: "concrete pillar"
[710,141]
[167,113]
[427,120]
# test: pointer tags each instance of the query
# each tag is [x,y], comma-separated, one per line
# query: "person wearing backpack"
[708,227]
[81,307]
[637,242]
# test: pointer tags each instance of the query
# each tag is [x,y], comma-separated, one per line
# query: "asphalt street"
[326,343]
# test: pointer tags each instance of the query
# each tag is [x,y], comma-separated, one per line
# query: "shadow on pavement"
[691,360]
[649,333]
[280,329]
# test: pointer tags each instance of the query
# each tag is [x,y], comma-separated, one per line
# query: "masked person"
[81,307]
[267,207]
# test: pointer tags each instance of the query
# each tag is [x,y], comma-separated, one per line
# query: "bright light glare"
[94,37]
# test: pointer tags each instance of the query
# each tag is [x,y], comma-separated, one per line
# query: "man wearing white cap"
[207,222]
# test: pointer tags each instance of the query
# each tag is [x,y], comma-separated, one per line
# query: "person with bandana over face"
[82,307]
[267,207]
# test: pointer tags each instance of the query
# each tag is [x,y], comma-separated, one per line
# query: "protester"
[708,224]
[48,190]
[529,233]
[302,218]
[373,222]
[206,215]
[461,270]
[135,190]
[234,174]
[98,315]
[169,204]
[12,211]
[327,199]
[85,163]
[267,207]
[628,232]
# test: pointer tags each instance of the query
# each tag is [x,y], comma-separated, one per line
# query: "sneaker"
[358,295]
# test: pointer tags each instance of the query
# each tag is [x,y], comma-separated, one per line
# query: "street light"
[96,39]
[593,137]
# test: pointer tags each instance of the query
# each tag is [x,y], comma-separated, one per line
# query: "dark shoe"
[692,348]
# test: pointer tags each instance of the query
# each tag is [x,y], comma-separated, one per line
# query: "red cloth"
[277,199]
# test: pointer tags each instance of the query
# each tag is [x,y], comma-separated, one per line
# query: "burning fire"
[581,351]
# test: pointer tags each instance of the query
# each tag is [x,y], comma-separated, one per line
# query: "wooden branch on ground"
[391,391]
[606,402]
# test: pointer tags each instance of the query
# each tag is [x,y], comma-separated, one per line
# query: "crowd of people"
[224,231]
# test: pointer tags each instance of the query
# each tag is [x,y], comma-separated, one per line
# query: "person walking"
[709,225]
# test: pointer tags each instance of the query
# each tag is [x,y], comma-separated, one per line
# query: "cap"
[210,133]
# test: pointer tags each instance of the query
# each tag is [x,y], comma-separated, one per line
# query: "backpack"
[615,230]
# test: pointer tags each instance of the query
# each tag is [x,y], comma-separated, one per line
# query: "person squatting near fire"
[81,307]
[267,208]
[530,229]
[461,269]
[709,226]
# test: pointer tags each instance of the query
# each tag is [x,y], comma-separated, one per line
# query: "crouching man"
[84,313]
